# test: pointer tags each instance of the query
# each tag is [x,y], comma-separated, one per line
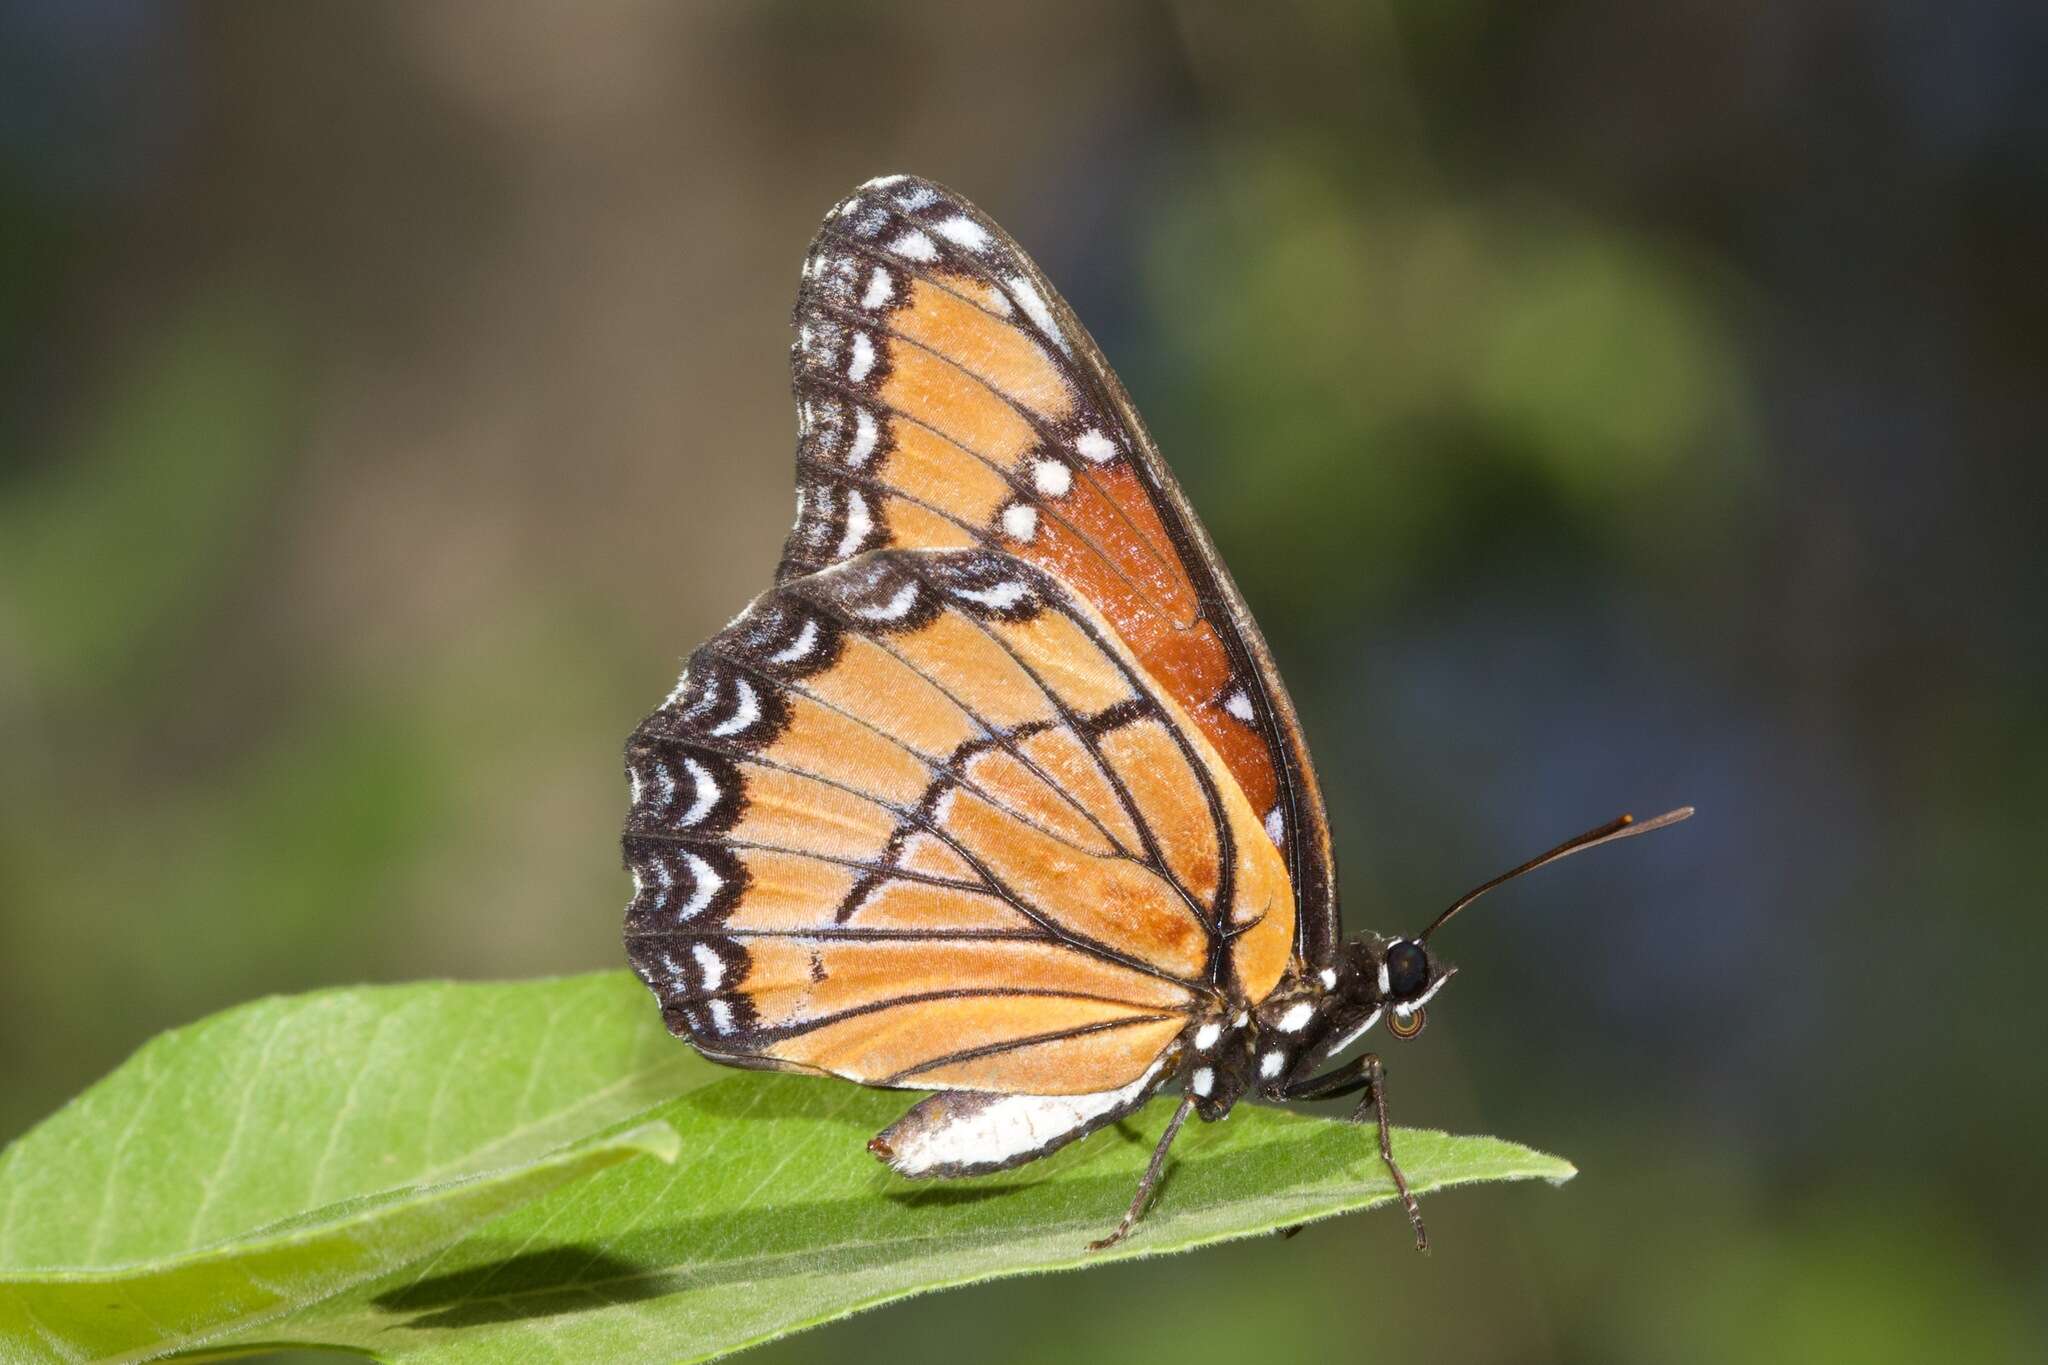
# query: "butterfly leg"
[1151,1178]
[1365,1073]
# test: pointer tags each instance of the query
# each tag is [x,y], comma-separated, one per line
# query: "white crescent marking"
[749,710]
[704,790]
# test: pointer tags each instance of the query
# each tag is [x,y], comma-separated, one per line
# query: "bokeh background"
[1603,406]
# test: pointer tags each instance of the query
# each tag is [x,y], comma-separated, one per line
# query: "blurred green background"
[1604,407]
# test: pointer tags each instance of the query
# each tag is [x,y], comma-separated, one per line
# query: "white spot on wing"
[914,246]
[883,182]
[1239,705]
[710,964]
[1092,445]
[858,524]
[1020,521]
[721,1014]
[864,435]
[1052,478]
[1276,826]
[1001,597]
[863,358]
[963,231]
[896,608]
[806,640]
[1034,306]
[704,878]
[704,790]
[748,711]
[880,289]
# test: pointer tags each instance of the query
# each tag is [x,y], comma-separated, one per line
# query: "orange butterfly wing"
[948,397]
[920,819]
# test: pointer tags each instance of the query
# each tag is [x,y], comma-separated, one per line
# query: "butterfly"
[997,793]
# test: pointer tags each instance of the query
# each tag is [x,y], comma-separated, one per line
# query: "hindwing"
[921,819]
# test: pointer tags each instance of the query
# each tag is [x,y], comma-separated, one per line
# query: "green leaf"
[773,1216]
[776,1218]
[301,1138]
[144,1310]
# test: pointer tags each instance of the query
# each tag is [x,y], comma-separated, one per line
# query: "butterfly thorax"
[1312,1015]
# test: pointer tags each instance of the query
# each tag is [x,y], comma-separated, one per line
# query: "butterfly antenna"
[1622,828]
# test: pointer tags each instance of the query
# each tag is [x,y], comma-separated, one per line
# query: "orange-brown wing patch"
[821,887]
[1058,1065]
[928,855]
[828,743]
[955,404]
[787,892]
[1171,800]
[910,905]
[1016,786]
[1017,1044]
[1004,357]
[927,528]
[962,659]
[946,396]
[942,475]
[797,981]
[795,893]
[1081,676]
[1104,899]
[868,680]
[1079,774]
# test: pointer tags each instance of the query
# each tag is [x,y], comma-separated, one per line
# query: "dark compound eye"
[1407,970]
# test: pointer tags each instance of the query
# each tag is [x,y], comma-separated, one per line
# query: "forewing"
[947,396]
[918,819]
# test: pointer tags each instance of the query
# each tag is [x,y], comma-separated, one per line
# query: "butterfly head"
[1409,974]
[1392,978]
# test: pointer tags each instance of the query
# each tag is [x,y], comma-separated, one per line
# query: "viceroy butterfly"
[997,793]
